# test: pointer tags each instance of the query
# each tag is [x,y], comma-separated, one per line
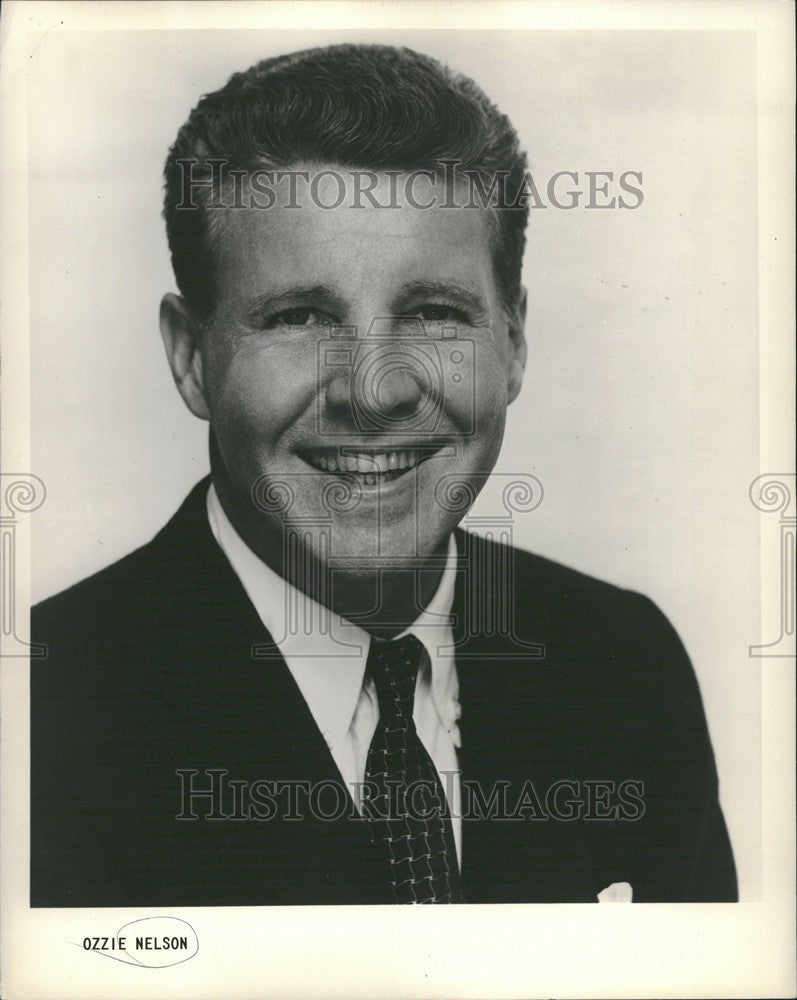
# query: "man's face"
[369,427]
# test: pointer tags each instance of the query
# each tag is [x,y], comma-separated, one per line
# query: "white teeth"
[370,466]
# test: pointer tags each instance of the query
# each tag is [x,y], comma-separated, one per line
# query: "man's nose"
[383,387]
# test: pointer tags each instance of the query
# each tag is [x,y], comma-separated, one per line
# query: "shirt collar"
[433,628]
[325,653]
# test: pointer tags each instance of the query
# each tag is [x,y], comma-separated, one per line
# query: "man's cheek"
[490,371]
[490,406]
[246,446]
[249,406]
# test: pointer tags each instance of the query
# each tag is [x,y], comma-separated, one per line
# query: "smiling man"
[311,686]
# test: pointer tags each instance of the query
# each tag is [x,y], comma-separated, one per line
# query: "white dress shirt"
[326,655]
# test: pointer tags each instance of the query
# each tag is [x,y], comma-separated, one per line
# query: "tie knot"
[394,666]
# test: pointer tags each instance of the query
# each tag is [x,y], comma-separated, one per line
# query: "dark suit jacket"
[150,671]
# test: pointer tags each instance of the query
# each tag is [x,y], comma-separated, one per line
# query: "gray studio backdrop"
[639,413]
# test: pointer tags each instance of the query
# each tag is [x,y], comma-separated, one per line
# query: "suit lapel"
[245,713]
[511,726]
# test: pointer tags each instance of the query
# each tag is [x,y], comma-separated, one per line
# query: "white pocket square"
[617,892]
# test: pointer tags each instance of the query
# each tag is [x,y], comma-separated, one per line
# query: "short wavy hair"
[370,107]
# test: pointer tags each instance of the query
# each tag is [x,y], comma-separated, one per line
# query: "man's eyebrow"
[446,289]
[275,299]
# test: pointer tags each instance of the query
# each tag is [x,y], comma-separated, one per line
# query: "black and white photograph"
[398,500]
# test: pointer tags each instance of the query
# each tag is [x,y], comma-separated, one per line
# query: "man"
[311,686]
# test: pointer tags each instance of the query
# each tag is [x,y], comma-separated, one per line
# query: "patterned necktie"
[404,800]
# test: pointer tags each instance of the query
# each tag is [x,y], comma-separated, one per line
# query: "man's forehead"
[354,197]
[327,216]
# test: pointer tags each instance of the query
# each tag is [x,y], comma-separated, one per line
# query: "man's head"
[361,106]
[344,315]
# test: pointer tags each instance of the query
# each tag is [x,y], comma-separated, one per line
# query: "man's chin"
[403,544]
[385,593]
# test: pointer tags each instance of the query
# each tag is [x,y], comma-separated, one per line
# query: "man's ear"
[181,340]
[517,347]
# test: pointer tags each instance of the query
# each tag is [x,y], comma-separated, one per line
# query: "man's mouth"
[371,468]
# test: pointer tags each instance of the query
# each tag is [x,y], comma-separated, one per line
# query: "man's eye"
[301,316]
[440,313]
